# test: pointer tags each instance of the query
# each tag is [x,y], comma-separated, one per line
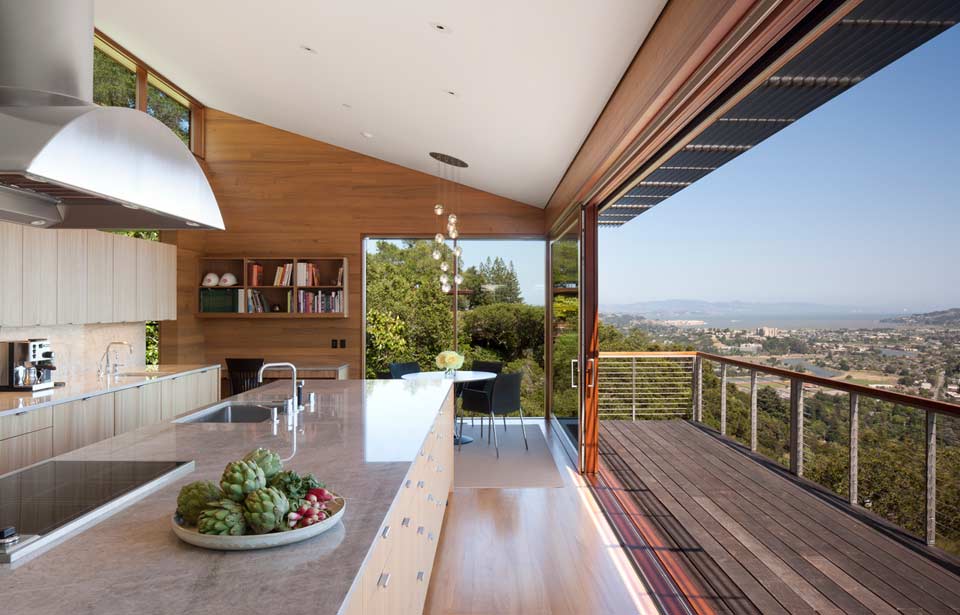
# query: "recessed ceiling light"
[189,223]
[366,134]
[308,49]
[439,27]
[38,223]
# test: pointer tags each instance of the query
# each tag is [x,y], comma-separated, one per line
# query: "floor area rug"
[476,465]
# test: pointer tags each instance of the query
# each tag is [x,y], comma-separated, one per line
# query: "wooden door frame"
[589,338]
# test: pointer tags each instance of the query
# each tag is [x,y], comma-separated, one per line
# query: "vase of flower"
[449,361]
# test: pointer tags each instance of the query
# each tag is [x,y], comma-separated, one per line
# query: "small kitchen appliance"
[26,365]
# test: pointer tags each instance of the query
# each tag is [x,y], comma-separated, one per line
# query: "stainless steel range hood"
[68,163]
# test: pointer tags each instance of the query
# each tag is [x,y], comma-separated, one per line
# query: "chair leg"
[460,435]
[493,429]
[489,429]
[504,423]
[523,429]
[481,426]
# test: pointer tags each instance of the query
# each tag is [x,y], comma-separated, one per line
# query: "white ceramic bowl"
[257,541]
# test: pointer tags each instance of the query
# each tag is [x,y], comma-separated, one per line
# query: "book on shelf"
[256,274]
[319,302]
[218,300]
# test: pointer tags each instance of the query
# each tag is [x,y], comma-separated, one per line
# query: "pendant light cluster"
[449,170]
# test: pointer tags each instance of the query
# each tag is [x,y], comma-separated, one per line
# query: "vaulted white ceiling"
[529,77]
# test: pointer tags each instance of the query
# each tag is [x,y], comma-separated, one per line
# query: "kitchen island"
[385,446]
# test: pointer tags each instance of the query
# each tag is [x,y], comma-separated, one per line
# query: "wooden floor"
[740,536]
[540,551]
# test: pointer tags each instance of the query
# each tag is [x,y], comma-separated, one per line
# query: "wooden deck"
[739,535]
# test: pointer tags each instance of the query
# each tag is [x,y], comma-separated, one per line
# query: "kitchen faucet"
[116,359]
[292,405]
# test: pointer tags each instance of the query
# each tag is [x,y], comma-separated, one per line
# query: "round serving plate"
[260,541]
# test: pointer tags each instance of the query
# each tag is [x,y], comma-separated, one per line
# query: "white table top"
[458,376]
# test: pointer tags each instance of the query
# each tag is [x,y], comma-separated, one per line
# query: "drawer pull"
[430,457]
[384,580]
[386,531]
[422,452]
[421,484]
[420,575]
[405,522]
[439,468]
[420,530]
[408,483]
[430,497]
[430,536]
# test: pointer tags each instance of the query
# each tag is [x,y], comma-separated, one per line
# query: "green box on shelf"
[218,299]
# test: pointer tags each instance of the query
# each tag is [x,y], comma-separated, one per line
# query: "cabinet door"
[39,305]
[150,404]
[11,274]
[19,452]
[124,278]
[71,277]
[99,277]
[126,415]
[167,277]
[192,384]
[173,397]
[148,262]
[83,422]
[208,390]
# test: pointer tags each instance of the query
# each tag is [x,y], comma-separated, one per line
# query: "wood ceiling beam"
[694,52]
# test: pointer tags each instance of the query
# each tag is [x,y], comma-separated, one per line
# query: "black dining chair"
[243,374]
[484,386]
[399,370]
[504,400]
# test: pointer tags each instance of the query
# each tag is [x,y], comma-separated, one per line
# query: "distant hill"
[680,308]
[949,317]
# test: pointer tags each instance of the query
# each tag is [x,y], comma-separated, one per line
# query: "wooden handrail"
[849,387]
[915,401]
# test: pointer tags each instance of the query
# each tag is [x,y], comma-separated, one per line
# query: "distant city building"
[768,332]
[751,348]
[926,386]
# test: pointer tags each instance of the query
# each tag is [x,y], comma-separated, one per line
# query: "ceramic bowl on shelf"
[248,542]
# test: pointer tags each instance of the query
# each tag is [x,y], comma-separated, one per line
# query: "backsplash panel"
[78,348]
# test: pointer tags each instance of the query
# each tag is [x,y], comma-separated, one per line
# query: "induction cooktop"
[50,500]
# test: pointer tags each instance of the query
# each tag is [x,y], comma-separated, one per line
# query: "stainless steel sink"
[233,412]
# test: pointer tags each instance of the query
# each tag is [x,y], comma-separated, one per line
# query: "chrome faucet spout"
[293,379]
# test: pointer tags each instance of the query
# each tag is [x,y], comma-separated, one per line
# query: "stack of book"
[319,302]
[256,274]
[283,275]
[218,300]
[258,304]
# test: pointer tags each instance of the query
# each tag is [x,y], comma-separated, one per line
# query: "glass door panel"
[565,331]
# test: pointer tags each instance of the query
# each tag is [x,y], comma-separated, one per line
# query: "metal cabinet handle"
[408,483]
[420,530]
[573,373]
[591,373]
[429,457]
[420,484]
[405,522]
[386,531]
[384,580]
[420,575]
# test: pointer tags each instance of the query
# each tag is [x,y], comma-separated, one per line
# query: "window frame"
[145,74]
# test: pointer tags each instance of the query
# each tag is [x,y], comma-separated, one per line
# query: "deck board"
[776,541]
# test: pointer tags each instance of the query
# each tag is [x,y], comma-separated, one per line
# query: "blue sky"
[855,204]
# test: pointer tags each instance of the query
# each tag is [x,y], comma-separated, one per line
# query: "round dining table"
[459,376]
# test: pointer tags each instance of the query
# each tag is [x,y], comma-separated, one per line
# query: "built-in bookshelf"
[275,287]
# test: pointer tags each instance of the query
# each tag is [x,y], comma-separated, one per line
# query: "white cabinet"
[124,278]
[137,407]
[148,284]
[39,298]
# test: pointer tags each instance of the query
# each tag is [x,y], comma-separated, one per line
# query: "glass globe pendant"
[438,209]
[444,279]
[438,237]
[445,288]
[458,279]
[444,266]
[452,219]
[453,233]
[436,255]
[457,251]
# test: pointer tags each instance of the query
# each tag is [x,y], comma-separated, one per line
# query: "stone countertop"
[12,402]
[361,442]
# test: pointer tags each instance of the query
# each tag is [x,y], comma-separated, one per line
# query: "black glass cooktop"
[40,499]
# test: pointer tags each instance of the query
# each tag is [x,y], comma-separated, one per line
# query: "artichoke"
[240,478]
[268,461]
[294,486]
[265,510]
[194,498]
[224,517]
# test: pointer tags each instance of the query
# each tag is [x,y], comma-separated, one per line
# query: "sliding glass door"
[565,332]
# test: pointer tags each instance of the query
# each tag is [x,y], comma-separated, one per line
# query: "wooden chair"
[399,370]
[243,374]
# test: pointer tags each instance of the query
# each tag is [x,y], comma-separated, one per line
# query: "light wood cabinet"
[167,277]
[25,450]
[71,277]
[83,422]
[124,278]
[100,275]
[39,298]
[148,284]
[25,422]
[11,274]
[137,407]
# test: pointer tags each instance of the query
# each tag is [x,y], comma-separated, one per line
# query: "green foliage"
[385,341]
[170,112]
[152,333]
[512,330]
[494,281]
[114,85]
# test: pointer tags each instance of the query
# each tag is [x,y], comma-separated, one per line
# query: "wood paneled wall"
[283,194]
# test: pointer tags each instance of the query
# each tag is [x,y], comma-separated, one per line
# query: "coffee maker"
[26,365]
